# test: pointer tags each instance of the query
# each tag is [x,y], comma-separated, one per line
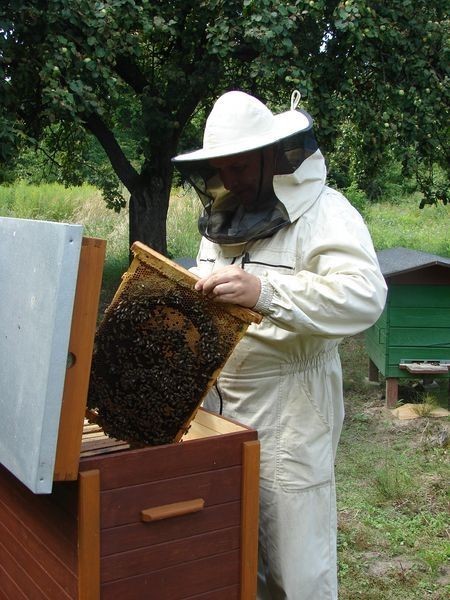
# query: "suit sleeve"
[339,290]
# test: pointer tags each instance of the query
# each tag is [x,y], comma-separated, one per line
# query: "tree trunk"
[147,214]
[149,191]
[149,202]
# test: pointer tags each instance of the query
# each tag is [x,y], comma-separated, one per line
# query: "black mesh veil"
[293,150]
[228,220]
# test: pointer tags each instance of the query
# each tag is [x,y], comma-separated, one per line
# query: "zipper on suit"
[246,261]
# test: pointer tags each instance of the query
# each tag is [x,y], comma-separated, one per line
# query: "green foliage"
[133,73]
[357,197]
[395,89]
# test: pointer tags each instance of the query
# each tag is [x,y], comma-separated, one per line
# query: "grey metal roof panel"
[39,263]
[401,260]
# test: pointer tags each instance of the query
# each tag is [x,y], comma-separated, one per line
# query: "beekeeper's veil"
[238,124]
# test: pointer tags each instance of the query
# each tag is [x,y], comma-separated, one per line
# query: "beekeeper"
[277,239]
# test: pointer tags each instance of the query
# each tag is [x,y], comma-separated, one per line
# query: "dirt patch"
[377,566]
[444,576]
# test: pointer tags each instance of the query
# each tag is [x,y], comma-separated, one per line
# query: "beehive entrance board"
[159,349]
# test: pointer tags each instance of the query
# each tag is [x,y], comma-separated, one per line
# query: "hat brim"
[285,124]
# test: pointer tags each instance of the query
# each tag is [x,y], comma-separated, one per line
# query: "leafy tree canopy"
[133,73]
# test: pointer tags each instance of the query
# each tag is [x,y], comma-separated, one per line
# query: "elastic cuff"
[265,297]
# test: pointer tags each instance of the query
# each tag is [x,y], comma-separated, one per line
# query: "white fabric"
[320,282]
[307,181]
[239,122]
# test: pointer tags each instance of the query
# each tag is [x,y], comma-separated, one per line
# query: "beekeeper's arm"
[340,290]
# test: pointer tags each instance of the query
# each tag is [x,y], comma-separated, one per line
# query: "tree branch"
[121,165]
[130,73]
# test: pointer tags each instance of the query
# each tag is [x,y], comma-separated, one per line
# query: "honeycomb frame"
[158,351]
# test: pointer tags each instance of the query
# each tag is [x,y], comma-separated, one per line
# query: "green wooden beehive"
[412,336]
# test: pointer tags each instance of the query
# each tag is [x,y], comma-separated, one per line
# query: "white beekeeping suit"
[319,281]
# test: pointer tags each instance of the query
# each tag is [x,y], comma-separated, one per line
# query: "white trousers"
[297,410]
[297,550]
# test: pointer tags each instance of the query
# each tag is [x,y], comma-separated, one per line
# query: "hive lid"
[394,261]
[38,274]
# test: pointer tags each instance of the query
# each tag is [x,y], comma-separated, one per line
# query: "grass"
[183,237]
[405,224]
[47,202]
[392,475]
[392,486]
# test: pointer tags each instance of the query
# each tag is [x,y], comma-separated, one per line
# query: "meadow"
[392,475]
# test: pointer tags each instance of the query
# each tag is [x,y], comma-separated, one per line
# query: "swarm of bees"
[157,352]
[155,356]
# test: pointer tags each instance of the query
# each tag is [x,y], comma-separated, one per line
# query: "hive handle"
[167,511]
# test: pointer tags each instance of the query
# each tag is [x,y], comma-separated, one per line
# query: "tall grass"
[405,224]
[45,202]
[183,237]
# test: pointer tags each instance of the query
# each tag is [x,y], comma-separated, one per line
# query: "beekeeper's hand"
[231,284]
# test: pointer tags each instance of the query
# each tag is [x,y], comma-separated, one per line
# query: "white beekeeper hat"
[240,123]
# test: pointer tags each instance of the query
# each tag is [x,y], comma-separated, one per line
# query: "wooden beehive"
[176,520]
[169,522]
[412,336]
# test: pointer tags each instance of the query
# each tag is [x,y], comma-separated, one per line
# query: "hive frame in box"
[166,338]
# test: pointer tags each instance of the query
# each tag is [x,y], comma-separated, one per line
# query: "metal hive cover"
[158,350]
[38,273]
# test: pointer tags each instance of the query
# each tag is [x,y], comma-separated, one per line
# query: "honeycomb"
[158,350]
